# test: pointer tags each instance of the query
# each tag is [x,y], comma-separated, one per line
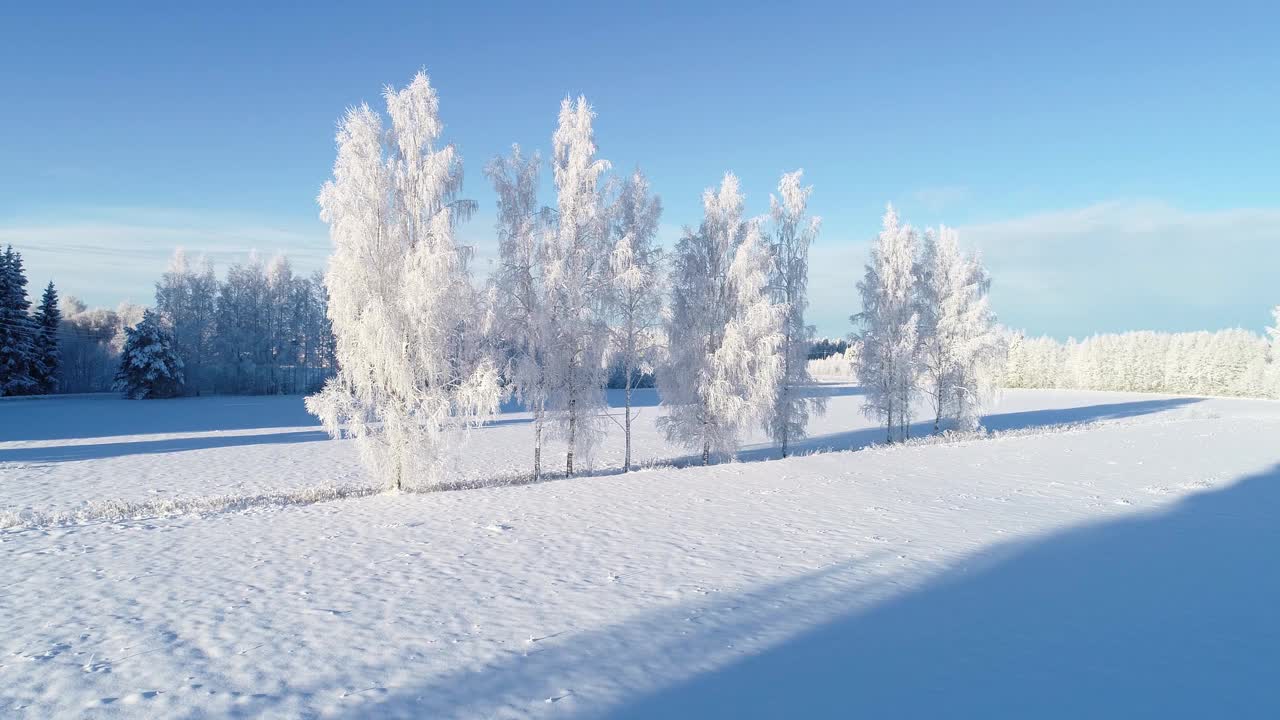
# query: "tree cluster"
[1227,362]
[261,330]
[30,357]
[580,293]
[826,347]
[927,330]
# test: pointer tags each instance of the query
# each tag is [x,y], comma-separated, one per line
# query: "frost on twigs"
[725,330]
[793,232]
[406,318]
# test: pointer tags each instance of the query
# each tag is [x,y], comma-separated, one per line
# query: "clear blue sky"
[1118,166]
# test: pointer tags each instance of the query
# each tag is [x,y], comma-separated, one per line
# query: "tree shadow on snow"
[74,418]
[1172,614]
[1167,614]
[673,637]
[98,451]
[864,437]
[1089,413]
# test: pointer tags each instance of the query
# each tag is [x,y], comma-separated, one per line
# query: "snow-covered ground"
[1124,567]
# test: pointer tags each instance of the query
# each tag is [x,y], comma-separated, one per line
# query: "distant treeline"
[261,329]
[1226,362]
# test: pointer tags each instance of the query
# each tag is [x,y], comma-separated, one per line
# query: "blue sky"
[1118,167]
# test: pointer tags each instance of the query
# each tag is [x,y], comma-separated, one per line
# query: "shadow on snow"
[864,437]
[109,415]
[1167,614]
[48,419]
[1162,615]
[98,451]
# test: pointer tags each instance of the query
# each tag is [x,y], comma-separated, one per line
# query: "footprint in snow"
[135,698]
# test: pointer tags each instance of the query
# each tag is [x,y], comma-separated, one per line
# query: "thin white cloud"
[1132,265]
[106,255]
[1106,267]
[1109,266]
[940,197]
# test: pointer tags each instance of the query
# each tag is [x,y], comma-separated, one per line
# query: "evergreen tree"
[149,366]
[48,355]
[17,331]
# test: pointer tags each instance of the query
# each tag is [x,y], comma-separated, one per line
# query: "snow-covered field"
[1124,567]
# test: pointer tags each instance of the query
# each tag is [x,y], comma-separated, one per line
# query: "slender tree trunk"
[889,423]
[785,408]
[573,427]
[937,420]
[626,421]
[539,420]
[786,419]
[537,447]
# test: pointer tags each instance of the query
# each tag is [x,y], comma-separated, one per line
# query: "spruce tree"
[149,366]
[16,328]
[47,355]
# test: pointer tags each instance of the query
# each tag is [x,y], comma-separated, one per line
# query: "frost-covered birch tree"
[521,308]
[186,299]
[960,343]
[279,325]
[398,285]
[888,363]
[793,232]
[577,275]
[1273,335]
[724,330]
[635,289]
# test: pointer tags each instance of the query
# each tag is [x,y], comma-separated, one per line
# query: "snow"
[1122,567]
